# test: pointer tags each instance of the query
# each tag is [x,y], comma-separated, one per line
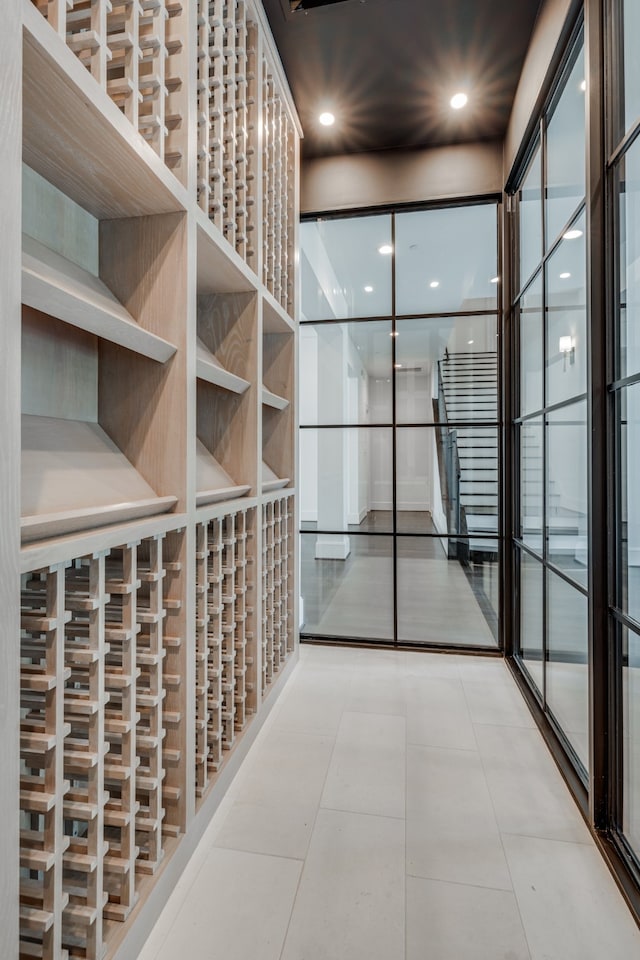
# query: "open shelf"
[275,318]
[209,368]
[56,286]
[220,268]
[75,478]
[270,480]
[213,481]
[100,159]
[274,400]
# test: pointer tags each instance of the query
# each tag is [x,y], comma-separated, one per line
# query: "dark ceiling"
[388,68]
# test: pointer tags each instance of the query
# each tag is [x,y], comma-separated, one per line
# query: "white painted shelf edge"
[209,368]
[270,399]
[62,289]
[270,480]
[213,481]
[75,478]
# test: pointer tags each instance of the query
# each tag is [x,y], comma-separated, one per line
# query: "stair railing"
[450,460]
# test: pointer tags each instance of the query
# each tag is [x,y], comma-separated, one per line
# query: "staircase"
[470,388]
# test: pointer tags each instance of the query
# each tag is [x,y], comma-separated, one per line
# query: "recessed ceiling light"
[368,289]
[385,249]
[565,276]
[583,85]
[394,333]
[469,342]
[327,119]
[434,284]
[459,100]
[572,234]
[397,366]
[495,279]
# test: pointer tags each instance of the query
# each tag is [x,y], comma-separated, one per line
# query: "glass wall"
[551,426]
[399,438]
[624,389]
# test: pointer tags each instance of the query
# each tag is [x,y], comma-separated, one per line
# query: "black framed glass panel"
[530,314]
[531,436]
[567,490]
[446,369]
[448,591]
[346,479]
[346,267]
[531,617]
[346,370]
[630,31]
[631,736]
[447,260]
[628,279]
[347,585]
[628,526]
[567,668]
[567,353]
[530,218]
[566,154]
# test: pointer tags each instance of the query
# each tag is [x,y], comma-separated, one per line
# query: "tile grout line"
[495,817]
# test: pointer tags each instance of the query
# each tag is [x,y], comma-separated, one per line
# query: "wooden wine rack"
[135,51]
[225,638]
[277,612]
[278,192]
[97,699]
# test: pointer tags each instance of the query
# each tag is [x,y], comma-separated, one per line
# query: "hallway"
[396,806]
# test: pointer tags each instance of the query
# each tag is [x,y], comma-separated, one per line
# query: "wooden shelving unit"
[158,584]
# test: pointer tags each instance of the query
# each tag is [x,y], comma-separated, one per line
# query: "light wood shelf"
[274,400]
[270,480]
[55,285]
[213,482]
[210,369]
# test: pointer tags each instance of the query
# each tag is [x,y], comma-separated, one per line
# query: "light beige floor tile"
[452,921]
[237,909]
[314,705]
[529,795]
[497,703]
[420,663]
[438,715]
[351,903]
[367,770]
[371,693]
[570,906]
[484,669]
[279,830]
[451,828]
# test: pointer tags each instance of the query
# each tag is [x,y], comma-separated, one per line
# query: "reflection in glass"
[345,369]
[344,274]
[447,593]
[631,28]
[567,318]
[347,586]
[567,504]
[629,506]
[629,261]
[531,483]
[446,370]
[567,666]
[531,607]
[346,479]
[565,187]
[531,348]
[530,214]
[631,736]
[446,260]
[447,480]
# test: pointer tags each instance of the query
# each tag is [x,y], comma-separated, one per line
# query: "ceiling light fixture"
[565,276]
[394,333]
[327,119]
[572,234]
[385,249]
[469,342]
[434,284]
[397,366]
[495,280]
[459,100]
[368,289]
[583,85]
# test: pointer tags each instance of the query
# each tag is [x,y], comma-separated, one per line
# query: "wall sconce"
[567,349]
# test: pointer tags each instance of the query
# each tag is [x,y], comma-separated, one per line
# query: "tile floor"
[396,806]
